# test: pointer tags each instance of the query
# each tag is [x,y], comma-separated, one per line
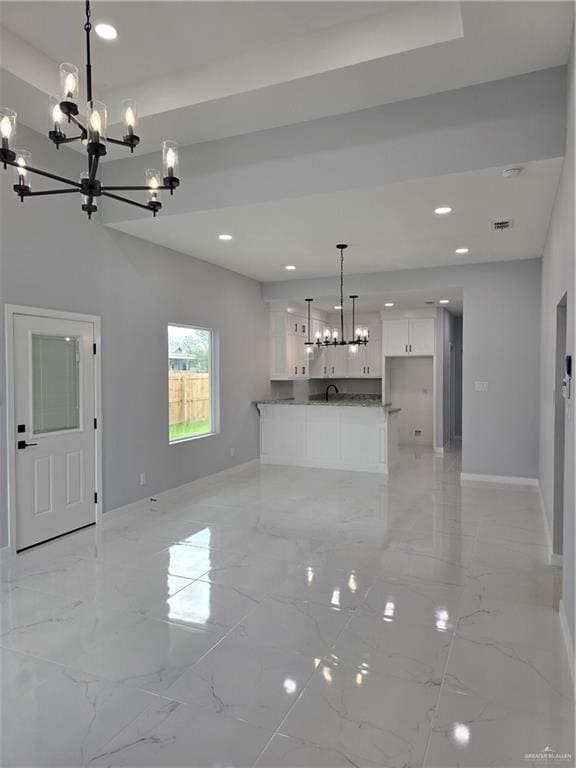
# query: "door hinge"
[95,423]
[94,348]
[95,498]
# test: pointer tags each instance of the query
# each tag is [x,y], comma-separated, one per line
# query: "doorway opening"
[559,433]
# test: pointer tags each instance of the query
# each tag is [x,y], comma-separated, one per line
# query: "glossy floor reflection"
[278,616]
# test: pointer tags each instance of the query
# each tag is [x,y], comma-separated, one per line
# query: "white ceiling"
[160,38]
[405,302]
[206,70]
[387,227]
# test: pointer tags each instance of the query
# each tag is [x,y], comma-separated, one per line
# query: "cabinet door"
[374,358]
[395,338]
[421,341]
[279,356]
[356,361]
[339,362]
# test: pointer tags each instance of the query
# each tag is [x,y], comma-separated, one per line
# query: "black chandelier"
[93,134]
[335,338]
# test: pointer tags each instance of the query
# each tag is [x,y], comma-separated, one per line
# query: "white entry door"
[54,425]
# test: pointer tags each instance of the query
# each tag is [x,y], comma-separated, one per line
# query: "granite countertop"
[362,401]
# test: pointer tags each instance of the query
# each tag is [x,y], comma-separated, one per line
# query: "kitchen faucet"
[328,390]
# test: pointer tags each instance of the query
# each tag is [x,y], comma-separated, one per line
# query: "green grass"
[194,428]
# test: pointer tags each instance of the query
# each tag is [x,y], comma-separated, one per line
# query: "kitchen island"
[348,432]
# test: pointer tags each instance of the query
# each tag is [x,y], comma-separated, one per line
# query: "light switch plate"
[481,386]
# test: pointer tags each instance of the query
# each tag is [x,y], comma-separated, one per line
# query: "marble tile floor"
[275,616]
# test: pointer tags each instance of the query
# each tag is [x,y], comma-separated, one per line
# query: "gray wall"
[501,339]
[51,256]
[558,277]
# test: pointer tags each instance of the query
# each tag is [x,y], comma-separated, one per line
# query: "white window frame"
[214,381]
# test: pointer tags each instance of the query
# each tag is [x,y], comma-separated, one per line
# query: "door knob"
[23,444]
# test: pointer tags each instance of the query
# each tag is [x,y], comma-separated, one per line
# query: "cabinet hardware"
[303,370]
[406,347]
[410,347]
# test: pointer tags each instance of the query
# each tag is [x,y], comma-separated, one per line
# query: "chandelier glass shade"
[335,337]
[92,132]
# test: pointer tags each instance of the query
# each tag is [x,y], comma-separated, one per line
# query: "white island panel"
[342,437]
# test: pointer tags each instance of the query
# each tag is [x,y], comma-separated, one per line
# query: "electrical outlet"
[232,451]
[154,505]
[142,478]
[481,386]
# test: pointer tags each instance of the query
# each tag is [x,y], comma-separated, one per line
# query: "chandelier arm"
[69,139]
[120,142]
[47,175]
[74,119]
[131,188]
[51,192]
[127,200]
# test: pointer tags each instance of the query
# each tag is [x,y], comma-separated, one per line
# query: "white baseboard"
[568,641]
[291,461]
[134,506]
[145,504]
[468,477]
[556,560]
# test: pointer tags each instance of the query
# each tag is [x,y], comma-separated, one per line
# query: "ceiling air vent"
[505,224]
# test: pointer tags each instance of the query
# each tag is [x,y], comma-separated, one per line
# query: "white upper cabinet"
[395,334]
[422,336]
[402,338]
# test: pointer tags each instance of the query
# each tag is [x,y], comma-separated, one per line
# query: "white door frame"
[10,311]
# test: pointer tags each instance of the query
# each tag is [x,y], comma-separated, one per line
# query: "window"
[191,400]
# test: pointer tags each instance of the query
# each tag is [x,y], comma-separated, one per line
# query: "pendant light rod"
[353,334]
[88,28]
[309,342]
[342,247]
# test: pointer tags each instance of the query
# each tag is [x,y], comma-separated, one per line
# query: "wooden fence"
[189,397]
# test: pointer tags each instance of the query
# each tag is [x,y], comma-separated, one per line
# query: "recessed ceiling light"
[106,31]
[224,237]
[338,306]
[442,210]
[290,267]
[444,301]
[462,250]
[389,304]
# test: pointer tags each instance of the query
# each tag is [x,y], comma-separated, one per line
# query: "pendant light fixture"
[93,133]
[335,337]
